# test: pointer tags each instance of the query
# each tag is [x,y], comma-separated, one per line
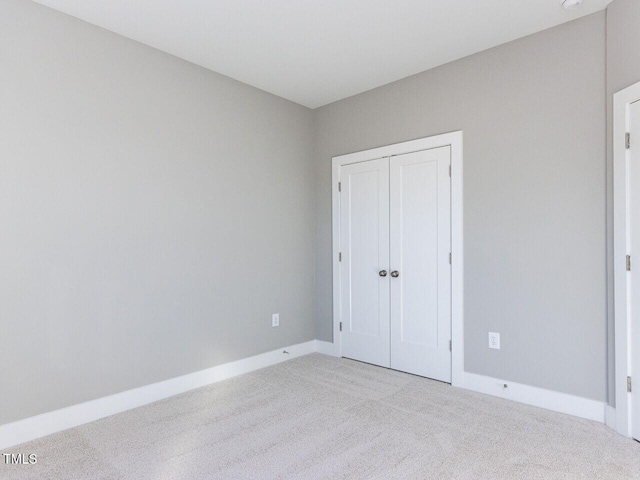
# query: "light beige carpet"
[322,417]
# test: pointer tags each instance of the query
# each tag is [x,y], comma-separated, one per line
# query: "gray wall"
[533,115]
[159,212]
[154,215]
[623,70]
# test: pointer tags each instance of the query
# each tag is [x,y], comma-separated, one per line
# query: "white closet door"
[634,250]
[364,244]
[420,218]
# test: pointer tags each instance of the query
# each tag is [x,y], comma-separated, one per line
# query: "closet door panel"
[420,240]
[364,245]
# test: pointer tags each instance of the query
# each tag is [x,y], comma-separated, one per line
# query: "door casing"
[622,318]
[453,140]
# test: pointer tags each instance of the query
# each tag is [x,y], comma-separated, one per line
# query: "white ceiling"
[315,52]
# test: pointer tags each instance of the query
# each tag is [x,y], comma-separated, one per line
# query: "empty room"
[294,239]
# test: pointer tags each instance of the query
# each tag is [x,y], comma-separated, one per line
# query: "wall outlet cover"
[494,340]
[275,320]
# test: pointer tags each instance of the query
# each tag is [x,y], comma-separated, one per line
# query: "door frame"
[622,318]
[453,140]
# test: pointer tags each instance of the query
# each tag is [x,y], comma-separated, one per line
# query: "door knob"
[382,273]
[395,274]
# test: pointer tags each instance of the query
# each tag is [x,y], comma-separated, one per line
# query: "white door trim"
[454,140]
[621,102]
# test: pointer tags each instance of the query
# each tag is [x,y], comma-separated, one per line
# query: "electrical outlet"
[275,320]
[494,340]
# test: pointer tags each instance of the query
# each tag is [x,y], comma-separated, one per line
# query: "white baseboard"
[610,416]
[538,397]
[41,425]
[326,348]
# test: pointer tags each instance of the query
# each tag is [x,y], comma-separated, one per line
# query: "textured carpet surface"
[323,417]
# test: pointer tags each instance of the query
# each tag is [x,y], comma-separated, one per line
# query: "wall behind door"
[533,115]
[153,215]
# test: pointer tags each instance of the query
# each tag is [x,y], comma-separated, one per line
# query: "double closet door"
[395,271]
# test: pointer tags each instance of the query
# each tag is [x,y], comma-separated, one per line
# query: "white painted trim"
[457,260]
[326,348]
[537,397]
[41,425]
[621,102]
[455,141]
[48,423]
[610,416]
[335,263]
